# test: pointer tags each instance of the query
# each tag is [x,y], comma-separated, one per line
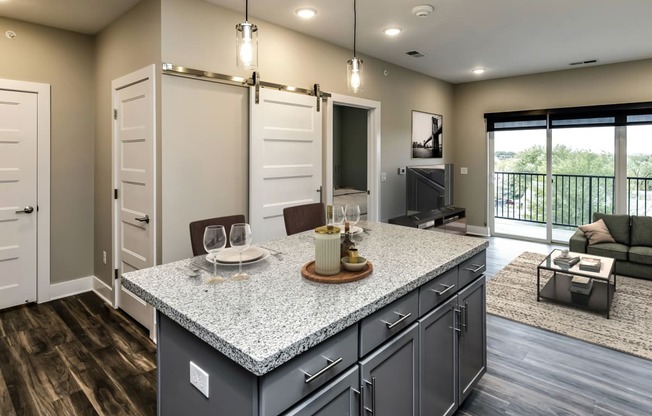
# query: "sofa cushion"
[641,231]
[613,250]
[639,254]
[618,226]
[597,232]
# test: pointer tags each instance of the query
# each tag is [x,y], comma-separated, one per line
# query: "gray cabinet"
[389,376]
[341,397]
[472,336]
[452,350]
[438,359]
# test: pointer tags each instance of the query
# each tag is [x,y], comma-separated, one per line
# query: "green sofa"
[632,249]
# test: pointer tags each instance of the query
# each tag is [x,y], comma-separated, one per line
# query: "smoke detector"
[423,10]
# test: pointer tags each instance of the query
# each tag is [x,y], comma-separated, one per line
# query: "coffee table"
[558,286]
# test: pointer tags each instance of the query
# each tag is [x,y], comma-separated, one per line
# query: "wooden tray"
[345,276]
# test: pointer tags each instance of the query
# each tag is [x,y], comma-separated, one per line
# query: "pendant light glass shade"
[246,43]
[354,65]
[354,74]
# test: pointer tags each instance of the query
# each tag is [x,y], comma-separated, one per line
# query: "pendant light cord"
[355,25]
[246,10]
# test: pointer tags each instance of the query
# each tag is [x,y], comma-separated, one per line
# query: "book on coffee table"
[590,264]
[566,261]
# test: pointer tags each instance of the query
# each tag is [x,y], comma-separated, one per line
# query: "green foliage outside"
[583,183]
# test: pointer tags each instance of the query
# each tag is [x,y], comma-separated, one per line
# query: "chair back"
[304,217]
[197,231]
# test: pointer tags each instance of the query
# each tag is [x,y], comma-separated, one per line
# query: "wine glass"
[352,214]
[240,238]
[338,215]
[214,241]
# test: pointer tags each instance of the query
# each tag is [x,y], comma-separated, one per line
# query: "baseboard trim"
[71,287]
[476,230]
[103,290]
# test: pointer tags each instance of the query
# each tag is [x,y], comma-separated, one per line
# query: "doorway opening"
[352,164]
[350,179]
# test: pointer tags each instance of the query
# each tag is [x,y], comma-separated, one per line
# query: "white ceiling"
[507,37]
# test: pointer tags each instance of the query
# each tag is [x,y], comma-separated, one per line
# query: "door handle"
[144,219]
[26,210]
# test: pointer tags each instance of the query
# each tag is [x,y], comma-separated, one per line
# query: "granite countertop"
[276,314]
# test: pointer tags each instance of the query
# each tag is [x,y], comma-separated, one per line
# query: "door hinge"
[115,274]
[115,194]
[115,113]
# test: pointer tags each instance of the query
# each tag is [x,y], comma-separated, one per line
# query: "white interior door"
[285,156]
[18,197]
[135,172]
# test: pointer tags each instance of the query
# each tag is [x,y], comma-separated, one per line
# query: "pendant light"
[246,43]
[354,65]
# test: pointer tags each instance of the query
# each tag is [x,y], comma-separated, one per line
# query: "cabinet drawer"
[472,268]
[438,290]
[306,373]
[339,397]
[388,321]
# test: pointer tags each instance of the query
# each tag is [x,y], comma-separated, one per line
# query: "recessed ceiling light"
[478,71]
[305,12]
[392,31]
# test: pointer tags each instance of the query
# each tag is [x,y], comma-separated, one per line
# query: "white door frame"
[119,83]
[373,149]
[43,181]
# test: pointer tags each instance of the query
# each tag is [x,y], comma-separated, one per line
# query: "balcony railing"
[521,196]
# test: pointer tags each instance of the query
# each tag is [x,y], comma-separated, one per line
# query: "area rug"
[511,294]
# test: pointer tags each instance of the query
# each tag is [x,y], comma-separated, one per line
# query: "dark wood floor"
[77,356]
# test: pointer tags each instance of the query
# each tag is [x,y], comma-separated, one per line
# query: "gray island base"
[408,340]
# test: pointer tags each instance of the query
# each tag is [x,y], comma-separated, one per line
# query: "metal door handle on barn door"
[144,219]
[26,210]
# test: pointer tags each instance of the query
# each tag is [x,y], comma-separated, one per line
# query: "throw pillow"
[597,232]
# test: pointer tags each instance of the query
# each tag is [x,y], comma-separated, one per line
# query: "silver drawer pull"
[441,292]
[401,319]
[478,267]
[331,364]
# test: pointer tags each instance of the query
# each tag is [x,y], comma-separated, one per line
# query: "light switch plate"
[464,171]
[199,378]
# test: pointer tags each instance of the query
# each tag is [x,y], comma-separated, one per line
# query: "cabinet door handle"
[441,292]
[478,267]
[457,317]
[331,364]
[401,319]
[464,316]
[373,396]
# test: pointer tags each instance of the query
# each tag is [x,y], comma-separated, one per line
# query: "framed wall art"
[427,135]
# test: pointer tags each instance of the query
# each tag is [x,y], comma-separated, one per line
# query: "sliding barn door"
[285,156]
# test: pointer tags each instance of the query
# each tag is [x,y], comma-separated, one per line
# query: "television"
[429,187]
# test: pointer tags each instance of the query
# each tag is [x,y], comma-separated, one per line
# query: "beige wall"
[65,60]
[607,84]
[200,35]
[130,43]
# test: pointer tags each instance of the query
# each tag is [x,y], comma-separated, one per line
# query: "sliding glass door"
[552,169]
[519,161]
[639,170]
[582,177]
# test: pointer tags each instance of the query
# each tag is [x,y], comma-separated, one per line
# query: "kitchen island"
[278,342]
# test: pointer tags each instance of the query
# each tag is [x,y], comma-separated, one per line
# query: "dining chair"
[304,217]
[197,230]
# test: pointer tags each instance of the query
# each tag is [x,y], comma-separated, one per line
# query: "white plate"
[230,256]
[354,230]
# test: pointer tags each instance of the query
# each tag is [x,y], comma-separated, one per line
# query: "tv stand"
[448,219]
